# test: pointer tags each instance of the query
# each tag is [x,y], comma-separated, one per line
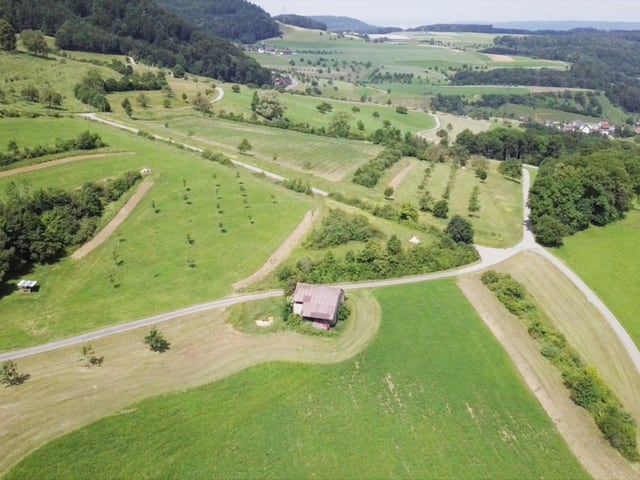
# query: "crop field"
[190,235]
[412,54]
[607,259]
[432,387]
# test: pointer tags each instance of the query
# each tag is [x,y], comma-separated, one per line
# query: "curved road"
[489,257]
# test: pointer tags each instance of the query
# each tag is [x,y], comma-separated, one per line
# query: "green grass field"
[20,70]
[433,396]
[607,259]
[77,296]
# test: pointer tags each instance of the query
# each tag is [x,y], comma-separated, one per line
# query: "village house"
[318,303]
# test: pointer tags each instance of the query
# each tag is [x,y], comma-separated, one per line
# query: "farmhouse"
[318,303]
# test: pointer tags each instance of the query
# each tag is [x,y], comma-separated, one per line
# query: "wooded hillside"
[236,20]
[608,61]
[139,28]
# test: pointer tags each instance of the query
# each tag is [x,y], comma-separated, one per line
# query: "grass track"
[433,387]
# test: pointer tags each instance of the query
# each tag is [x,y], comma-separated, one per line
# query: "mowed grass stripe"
[608,260]
[433,396]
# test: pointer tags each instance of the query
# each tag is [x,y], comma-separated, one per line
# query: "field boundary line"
[111,227]
[60,161]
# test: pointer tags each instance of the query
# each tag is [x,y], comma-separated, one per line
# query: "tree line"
[607,61]
[85,141]
[39,226]
[582,103]
[532,145]
[379,260]
[135,27]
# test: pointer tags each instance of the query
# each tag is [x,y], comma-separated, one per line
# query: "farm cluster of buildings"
[602,128]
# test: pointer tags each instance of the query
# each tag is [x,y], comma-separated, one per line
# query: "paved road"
[145,322]
[488,256]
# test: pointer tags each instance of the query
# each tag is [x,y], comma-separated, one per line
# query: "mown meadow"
[189,236]
[607,259]
[434,395]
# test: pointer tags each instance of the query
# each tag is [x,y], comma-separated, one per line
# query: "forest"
[139,28]
[235,20]
[607,61]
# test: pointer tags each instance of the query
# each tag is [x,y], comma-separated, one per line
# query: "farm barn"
[318,303]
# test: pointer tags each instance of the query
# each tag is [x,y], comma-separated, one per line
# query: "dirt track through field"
[63,395]
[281,253]
[575,425]
[402,174]
[500,58]
[55,163]
[111,227]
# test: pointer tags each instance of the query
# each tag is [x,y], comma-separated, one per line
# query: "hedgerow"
[586,387]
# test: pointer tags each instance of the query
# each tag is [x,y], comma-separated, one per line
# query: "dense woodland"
[236,20]
[607,61]
[139,28]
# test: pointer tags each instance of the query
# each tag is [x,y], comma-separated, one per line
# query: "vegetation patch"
[339,228]
[433,386]
[84,141]
[586,387]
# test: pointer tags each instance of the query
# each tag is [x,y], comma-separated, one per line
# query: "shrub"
[460,230]
[441,209]
[156,342]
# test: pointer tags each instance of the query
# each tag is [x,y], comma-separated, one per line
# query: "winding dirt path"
[60,161]
[281,253]
[111,227]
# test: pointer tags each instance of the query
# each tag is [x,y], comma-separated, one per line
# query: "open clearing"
[433,386]
[574,423]
[399,178]
[500,58]
[63,395]
[111,227]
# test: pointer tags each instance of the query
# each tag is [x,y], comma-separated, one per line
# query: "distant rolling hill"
[301,21]
[348,24]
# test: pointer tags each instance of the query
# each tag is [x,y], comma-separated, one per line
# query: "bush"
[9,375]
[460,230]
[339,227]
[156,342]
[441,209]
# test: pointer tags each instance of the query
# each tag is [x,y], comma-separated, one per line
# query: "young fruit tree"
[156,342]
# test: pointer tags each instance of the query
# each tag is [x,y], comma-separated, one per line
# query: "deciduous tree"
[34,41]
[7,36]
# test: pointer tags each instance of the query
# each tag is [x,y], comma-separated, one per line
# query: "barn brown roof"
[318,301]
